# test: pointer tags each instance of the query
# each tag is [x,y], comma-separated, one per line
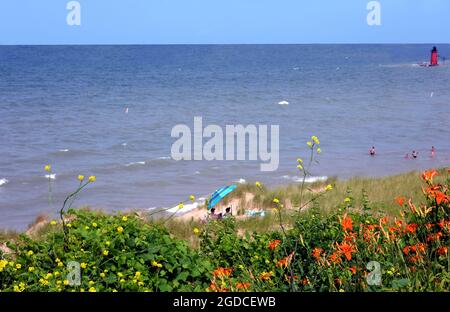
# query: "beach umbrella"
[219,194]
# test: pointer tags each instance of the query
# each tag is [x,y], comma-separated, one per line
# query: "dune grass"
[377,193]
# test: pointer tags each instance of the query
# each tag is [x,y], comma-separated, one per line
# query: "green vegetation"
[364,234]
[351,248]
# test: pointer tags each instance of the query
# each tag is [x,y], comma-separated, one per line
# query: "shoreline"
[247,197]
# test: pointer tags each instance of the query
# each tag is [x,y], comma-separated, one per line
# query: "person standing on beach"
[372,151]
[414,154]
[433,152]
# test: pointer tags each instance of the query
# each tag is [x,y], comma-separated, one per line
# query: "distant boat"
[126,110]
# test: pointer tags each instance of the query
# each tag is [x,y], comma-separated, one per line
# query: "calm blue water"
[64,105]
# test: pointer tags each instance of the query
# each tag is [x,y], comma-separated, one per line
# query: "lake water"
[65,106]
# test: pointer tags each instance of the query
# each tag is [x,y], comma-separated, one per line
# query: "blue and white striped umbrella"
[219,194]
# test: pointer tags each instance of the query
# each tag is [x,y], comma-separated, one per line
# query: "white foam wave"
[3,181]
[64,150]
[50,176]
[283,103]
[164,157]
[307,179]
[135,163]
[186,208]
[241,181]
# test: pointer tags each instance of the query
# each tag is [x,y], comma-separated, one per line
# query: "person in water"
[372,151]
[434,57]
[414,154]
[433,152]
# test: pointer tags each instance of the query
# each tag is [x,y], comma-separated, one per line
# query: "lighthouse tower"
[434,57]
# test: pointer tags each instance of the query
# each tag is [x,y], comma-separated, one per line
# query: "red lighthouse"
[434,57]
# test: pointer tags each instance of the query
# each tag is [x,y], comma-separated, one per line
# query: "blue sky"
[223,21]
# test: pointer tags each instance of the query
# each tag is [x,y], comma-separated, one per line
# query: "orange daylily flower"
[441,197]
[285,261]
[347,250]
[335,258]
[400,200]
[421,248]
[352,269]
[273,244]
[221,272]
[411,228]
[347,223]
[317,252]
[282,263]
[429,174]
[244,286]
[441,251]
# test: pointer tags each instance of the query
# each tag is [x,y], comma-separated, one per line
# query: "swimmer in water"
[372,151]
[414,154]
[433,152]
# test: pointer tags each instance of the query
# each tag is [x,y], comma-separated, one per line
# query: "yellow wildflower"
[81,177]
[315,139]
[276,200]
[319,150]
[180,206]
[30,269]
[18,266]
[196,231]
[258,184]
[102,274]
[300,167]
[120,229]
[3,264]
[47,168]
[329,187]
[192,198]
[94,224]
[105,252]
[30,252]
[83,265]
[137,274]
[124,218]
[66,282]
[92,179]
[53,222]
[347,200]
[92,289]
[309,143]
